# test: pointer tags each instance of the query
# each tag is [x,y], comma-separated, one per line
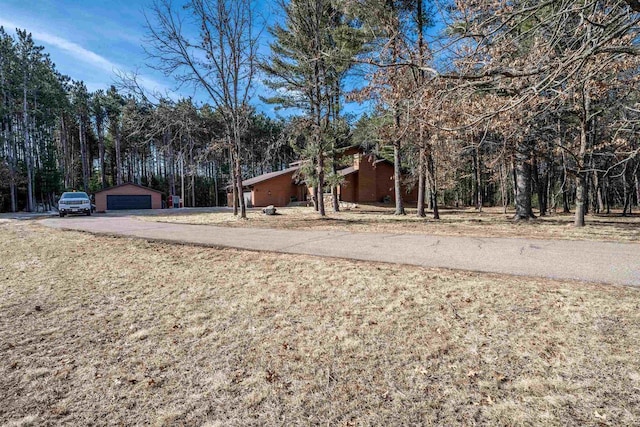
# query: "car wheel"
[61,215]
[89,213]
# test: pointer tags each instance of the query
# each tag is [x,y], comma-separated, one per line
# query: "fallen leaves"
[284,347]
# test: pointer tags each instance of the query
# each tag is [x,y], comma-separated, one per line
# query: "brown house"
[275,188]
[367,180]
[127,196]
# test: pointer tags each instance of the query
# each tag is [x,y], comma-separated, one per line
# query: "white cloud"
[85,55]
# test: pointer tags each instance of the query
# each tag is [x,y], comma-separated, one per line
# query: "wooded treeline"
[511,103]
[57,136]
[531,103]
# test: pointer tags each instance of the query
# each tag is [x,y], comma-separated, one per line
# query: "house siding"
[277,191]
[367,180]
[384,182]
[349,188]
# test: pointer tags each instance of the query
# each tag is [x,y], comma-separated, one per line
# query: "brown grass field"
[101,330]
[492,222]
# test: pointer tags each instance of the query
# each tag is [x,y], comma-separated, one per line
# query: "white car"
[76,202]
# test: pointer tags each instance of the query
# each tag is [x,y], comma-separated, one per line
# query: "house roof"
[294,166]
[128,183]
[383,161]
[347,171]
[350,147]
[268,176]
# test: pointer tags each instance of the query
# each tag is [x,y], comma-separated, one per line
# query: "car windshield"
[76,195]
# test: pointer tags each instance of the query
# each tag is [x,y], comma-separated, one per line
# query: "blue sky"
[91,40]
[87,40]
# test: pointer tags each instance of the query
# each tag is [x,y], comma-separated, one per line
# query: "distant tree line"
[57,136]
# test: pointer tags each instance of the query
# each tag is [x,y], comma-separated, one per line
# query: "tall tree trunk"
[183,199]
[478,180]
[101,152]
[422,155]
[607,195]
[580,200]
[592,193]
[118,147]
[170,166]
[565,202]
[637,186]
[193,190]
[13,194]
[581,174]
[314,198]
[397,179]
[523,182]
[626,194]
[433,184]
[234,186]
[543,185]
[397,163]
[335,200]
[28,151]
[422,175]
[214,173]
[83,155]
[334,188]
[7,134]
[503,185]
[514,178]
[13,164]
[598,185]
[550,183]
[565,185]
[333,113]
[241,202]
[321,209]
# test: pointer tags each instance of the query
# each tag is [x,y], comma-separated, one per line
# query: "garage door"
[116,203]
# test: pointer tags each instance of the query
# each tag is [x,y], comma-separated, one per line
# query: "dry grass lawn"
[100,330]
[489,223]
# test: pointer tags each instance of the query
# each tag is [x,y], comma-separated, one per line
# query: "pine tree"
[310,55]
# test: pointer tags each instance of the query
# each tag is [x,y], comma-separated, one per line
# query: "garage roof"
[128,183]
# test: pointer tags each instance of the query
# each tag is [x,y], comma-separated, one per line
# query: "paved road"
[605,262]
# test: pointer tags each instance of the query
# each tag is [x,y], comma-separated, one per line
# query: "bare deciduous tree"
[211,46]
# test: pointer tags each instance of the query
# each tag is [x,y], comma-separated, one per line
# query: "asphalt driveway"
[604,262]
